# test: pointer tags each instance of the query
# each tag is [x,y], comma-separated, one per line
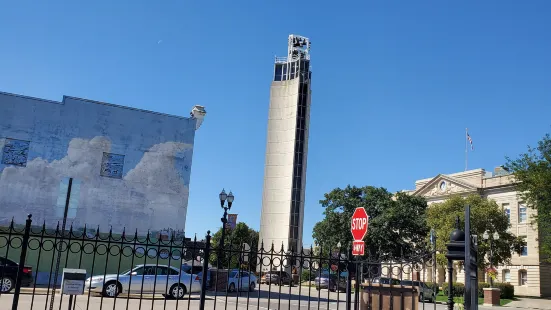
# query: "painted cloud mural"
[130,168]
[150,195]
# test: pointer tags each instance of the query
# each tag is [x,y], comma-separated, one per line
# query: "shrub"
[507,290]
[434,286]
[481,287]
[308,276]
[458,289]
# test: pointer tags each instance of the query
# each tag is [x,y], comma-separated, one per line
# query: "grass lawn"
[442,298]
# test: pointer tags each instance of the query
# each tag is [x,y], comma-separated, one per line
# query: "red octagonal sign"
[359,224]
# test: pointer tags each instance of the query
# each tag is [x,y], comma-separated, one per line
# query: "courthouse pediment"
[443,185]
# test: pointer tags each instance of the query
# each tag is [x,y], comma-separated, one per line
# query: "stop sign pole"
[358,228]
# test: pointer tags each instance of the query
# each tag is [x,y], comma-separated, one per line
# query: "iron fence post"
[204,277]
[434,272]
[349,281]
[358,285]
[450,285]
[22,257]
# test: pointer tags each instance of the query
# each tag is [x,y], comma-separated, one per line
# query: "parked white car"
[148,279]
[241,281]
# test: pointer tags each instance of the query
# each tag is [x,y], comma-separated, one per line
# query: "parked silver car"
[241,281]
[148,279]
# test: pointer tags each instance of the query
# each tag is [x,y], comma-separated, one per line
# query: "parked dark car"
[278,278]
[391,281]
[331,282]
[8,275]
[425,292]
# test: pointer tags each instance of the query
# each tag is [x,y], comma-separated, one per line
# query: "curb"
[505,306]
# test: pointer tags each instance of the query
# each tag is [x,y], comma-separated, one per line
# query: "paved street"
[296,298]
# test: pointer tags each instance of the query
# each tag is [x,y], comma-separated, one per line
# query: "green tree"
[486,215]
[397,224]
[532,170]
[233,251]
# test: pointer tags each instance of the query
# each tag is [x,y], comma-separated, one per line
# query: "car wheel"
[111,289]
[178,291]
[232,287]
[421,298]
[292,283]
[251,287]
[7,285]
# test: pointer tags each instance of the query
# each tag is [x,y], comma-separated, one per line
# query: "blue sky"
[395,83]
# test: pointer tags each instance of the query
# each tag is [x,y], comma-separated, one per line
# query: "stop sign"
[359,224]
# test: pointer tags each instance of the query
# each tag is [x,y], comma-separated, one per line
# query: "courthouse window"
[506,276]
[522,216]
[524,249]
[507,210]
[522,278]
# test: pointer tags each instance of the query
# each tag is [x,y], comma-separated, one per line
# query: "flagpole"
[466,149]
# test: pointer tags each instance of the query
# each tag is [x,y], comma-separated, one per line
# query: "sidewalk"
[530,303]
[521,303]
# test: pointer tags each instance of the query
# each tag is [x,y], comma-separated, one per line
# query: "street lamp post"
[223,198]
[489,238]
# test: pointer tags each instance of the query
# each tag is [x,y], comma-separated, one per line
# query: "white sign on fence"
[72,282]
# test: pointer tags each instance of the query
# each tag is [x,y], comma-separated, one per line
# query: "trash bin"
[386,297]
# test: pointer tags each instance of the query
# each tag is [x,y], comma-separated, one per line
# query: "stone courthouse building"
[527,272]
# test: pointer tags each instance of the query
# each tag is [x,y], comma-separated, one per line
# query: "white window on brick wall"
[506,276]
[522,277]
[522,215]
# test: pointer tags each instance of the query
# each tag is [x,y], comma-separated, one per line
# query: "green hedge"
[458,289]
[507,290]
[434,286]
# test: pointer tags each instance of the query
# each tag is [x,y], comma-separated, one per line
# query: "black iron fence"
[42,268]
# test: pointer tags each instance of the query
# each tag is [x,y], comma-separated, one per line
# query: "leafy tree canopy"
[397,225]
[233,246]
[533,171]
[486,215]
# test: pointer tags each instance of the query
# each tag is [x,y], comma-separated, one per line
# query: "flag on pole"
[470,141]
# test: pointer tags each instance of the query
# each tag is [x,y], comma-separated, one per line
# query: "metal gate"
[129,271]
